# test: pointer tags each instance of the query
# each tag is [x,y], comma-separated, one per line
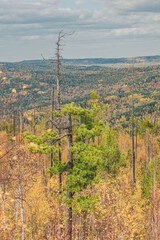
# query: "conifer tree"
[81,168]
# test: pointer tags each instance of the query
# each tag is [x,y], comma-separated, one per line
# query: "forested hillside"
[69,144]
[30,83]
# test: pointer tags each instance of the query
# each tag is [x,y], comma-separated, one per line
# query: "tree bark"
[136,139]
[22,214]
[133,150]
[59,129]
[34,129]
[52,109]
[14,123]
[20,124]
[69,193]
[3,209]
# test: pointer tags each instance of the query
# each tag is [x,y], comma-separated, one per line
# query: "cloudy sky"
[103,28]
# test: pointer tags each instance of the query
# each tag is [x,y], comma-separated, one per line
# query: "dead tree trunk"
[3,208]
[60,36]
[34,125]
[52,109]
[59,102]
[20,124]
[69,193]
[22,211]
[14,123]
[133,150]
[136,138]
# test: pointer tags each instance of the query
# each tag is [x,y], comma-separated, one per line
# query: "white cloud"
[30,38]
[41,20]
[133,6]
[79,3]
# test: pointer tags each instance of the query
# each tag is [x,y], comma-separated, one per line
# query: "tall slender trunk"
[16,216]
[34,129]
[69,193]
[59,132]
[14,123]
[136,139]
[22,212]
[59,104]
[52,109]
[154,203]
[44,171]
[16,209]
[61,36]
[133,151]
[3,209]
[20,124]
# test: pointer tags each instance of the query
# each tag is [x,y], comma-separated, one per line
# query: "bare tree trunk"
[17,207]
[155,230]
[59,99]
[44,171]
[3,209]
[22,211]
[60,37]
[136,139]
[69,193]
[14,123]
[133,151]
[34,129]
[20,124]
[16,213]
[98,140]
[52,109]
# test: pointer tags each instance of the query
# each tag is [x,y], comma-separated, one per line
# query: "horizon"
[89,58]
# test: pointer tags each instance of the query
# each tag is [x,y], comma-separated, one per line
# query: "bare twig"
[7,152]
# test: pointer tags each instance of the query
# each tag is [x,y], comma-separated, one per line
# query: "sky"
[102,28]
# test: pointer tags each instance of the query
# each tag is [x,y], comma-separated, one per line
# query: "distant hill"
[97,61]
[28,64]
[29,83]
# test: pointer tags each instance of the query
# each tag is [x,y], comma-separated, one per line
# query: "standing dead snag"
[61,36]
[20,121]
[58,43]
[52,109]
[2,196]
[58,124]
[133,151]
